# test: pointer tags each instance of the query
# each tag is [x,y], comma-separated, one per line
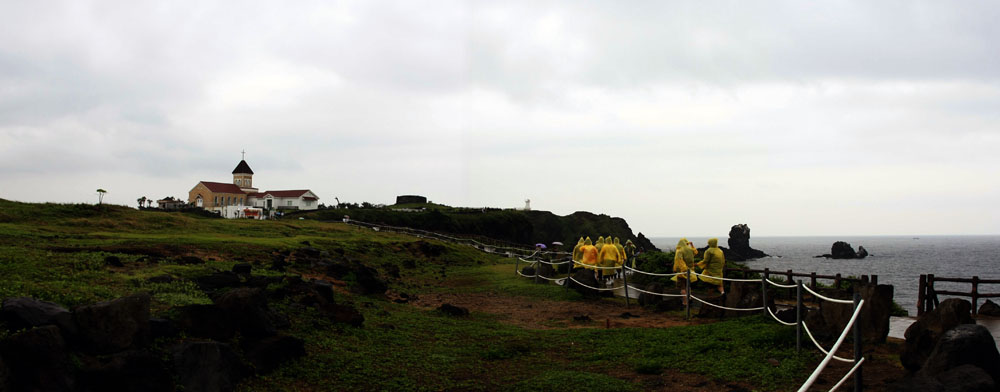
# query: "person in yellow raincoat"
[600,243]
[577,255]
[621,255]
[630,251]
[713,265]
[683,260]
[609,258]
[589,254]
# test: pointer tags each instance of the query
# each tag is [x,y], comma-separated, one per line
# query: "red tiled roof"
[309,198]
[222,187]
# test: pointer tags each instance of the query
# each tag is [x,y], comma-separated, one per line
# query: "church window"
[227,200]
[216,200]
[239,181]
[289,202]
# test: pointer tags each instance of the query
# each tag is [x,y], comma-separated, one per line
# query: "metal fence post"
[857,344]
[569,273]
[798,316]
[763,295]
[688,307]
[625,280]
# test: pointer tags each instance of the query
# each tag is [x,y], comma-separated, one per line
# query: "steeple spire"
[244,157]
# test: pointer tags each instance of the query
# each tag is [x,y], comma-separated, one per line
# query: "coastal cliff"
[521,227]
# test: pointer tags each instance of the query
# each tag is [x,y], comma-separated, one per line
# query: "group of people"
[712,265]
[603,255]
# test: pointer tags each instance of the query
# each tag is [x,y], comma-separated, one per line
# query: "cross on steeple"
[244,152]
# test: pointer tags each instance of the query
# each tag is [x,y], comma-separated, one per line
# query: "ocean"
[897,260]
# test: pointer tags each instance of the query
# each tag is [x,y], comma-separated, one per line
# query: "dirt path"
[546,314]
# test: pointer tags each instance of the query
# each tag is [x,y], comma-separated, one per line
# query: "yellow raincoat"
[589,253]
[621,253]
[609,258]
[600,243]
[683,259]
[577,255]
[714,263]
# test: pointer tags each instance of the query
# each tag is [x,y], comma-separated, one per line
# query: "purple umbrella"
[540,246]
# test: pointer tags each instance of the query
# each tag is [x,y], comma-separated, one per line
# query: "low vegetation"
[61,253]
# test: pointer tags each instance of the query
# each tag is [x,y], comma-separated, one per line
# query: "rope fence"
[529,256]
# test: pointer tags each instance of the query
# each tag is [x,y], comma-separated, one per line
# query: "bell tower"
[243,176]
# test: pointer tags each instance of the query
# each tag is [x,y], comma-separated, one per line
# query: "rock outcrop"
[831,318]
[739,245]
[989,308]
[923,335]
[843,250]
[965,358]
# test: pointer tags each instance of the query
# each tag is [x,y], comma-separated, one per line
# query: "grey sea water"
[897,260]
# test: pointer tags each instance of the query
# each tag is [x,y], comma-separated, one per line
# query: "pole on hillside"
[517,261]
[857,344]
[798,316]
[688,306]
[569,273]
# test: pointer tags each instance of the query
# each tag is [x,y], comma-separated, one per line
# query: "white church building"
[240,199]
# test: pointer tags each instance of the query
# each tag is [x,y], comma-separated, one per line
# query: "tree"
[149,202]
[141,201]
[100,196]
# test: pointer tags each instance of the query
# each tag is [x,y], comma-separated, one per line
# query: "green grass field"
[56,252]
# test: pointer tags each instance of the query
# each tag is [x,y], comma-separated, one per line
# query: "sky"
[684,118]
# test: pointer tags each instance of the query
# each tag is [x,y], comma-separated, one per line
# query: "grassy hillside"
[57,253]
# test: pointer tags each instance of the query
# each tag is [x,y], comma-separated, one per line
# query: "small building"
[240,199]
[170,203]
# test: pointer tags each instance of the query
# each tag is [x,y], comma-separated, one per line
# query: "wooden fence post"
[921,287]
[836,282]
[931,293]
[812,280]
[975,294]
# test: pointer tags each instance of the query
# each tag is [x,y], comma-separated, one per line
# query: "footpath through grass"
[57,253]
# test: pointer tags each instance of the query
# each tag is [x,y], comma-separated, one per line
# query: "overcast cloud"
[797,118]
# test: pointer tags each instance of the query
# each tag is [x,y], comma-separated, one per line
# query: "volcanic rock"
[112,326]
[208,366]
[739,245]
[923,335]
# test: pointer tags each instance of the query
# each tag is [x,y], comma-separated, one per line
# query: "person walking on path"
[610,258]
[683,260]
[714,265]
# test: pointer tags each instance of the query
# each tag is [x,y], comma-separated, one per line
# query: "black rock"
[113,261]
[27,312]
[739,245]
[967,378]
[966,344]
[842,250]
[161,328]
[268,354]
[528,270]
[923,335]
[127,371]
[367,281]
[453,310]
[989,308]
[862,252]
[113,326]
[208,367]
[42,360]
[242,269]
[278,262]
[324,289]
[204,321]
[247,308]
[585,277]
[218,280]
[5,385]
[546,270]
